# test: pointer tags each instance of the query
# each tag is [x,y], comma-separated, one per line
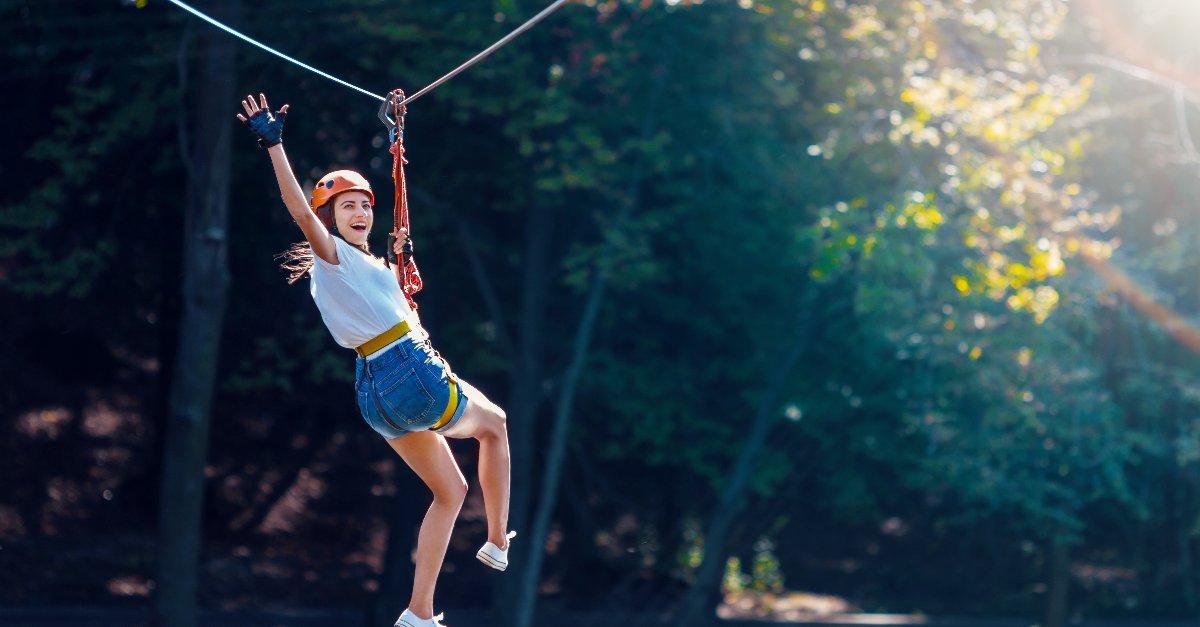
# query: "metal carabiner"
[386,110]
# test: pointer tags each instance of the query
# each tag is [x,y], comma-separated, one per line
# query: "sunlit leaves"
[853,230]
[952,97]
[959,89]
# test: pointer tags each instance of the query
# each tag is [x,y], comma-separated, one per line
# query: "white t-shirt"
[359,298]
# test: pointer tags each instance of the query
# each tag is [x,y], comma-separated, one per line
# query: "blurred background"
[799,309]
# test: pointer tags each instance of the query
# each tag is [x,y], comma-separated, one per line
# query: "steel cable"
[472,61]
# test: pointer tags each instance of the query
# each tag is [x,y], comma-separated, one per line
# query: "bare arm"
[297,205]
[293,197]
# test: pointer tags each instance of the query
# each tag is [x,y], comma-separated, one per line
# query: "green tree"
[205,284]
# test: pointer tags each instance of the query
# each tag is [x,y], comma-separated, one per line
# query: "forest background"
[795,307]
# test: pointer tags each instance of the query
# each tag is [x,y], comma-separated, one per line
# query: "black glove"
[406,248]
[267,127]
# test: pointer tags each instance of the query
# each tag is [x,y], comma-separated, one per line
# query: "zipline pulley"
[395,125]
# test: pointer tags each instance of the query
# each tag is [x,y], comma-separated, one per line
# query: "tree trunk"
[524,399]
[395,585]
[530,572]
[696,606]
[527,603]
[1058,582]
[205,281]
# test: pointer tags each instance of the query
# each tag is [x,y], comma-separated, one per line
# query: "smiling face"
[353,215]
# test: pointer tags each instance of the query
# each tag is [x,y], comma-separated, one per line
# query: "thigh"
[480,417]
[428,454]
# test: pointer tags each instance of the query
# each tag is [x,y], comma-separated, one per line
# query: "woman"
[406,392]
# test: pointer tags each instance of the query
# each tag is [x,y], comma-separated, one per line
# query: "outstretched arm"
[269,129]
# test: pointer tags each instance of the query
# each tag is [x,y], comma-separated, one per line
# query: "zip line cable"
[472,61]
[490,49]
[273,51]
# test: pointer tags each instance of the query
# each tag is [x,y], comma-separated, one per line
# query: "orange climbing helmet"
[337,182]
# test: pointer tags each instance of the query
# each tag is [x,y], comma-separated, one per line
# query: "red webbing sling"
[406,270]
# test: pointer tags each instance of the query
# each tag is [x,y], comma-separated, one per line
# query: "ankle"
[501,541]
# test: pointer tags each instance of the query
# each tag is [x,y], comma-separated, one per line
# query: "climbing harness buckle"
[392,116]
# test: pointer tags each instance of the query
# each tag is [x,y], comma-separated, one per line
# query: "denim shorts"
[405,389]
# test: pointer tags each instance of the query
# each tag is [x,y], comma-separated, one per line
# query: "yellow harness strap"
[383,339]
[391,335]
[451,406]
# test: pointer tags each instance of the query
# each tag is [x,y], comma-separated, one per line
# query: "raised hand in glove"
[267,127]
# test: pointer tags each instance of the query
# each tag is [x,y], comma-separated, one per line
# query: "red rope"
[406,270]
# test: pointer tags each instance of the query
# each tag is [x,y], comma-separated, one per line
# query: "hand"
[267,127]
[399,246]
[398,240]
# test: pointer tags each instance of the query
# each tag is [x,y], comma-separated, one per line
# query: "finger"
[283,109]
[246,108]
[253,104]
[241,118]
[263,97]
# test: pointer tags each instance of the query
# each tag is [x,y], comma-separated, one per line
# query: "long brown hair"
[298,259]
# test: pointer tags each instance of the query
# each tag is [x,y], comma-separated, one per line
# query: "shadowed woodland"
[797,308]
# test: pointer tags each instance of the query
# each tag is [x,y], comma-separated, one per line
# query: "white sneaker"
[408,619]
[495,556]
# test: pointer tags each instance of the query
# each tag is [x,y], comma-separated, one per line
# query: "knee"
[453,493]
[495,425]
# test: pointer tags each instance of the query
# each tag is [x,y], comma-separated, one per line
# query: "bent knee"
[494,423]
[451,492]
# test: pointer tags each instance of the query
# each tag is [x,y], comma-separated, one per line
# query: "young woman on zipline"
[406,391]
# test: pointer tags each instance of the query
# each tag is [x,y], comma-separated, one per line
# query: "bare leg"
[485,421]
[429,456]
